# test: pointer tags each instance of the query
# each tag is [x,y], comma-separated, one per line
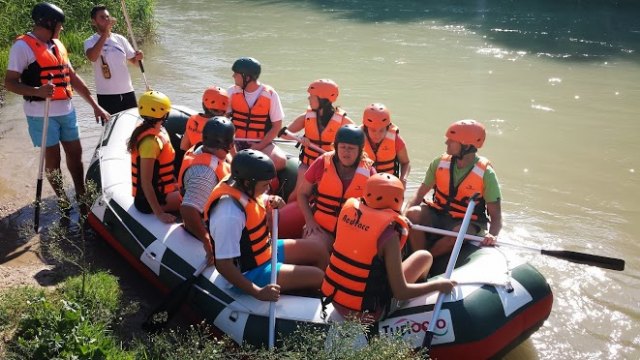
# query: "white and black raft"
[499,302]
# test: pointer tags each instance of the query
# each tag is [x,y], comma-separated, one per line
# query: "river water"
[556,82]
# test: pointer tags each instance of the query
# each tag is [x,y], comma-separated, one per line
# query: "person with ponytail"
[154,186]
[320,123]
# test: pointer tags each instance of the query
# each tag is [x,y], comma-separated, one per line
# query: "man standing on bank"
[109,53]
[32,58]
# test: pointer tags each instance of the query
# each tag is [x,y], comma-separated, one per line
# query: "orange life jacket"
[193,129]
[324,138]
[251,123]
[163,177]
[56,64]
[356,277]
[385,158]
[192,157]
[255,244]
[331,196]
[454,199]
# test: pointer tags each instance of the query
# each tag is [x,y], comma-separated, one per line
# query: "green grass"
[66,323]
[15,19]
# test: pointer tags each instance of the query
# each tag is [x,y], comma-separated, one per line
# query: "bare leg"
[277,155]
[306,252]
[418,214]
[52,170]
[417,265]
[294,277]
[174,200]
[73,153]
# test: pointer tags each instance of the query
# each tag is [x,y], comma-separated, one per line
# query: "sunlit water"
[556,84]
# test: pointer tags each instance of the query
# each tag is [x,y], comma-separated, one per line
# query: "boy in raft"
[454,177]
[383,143]
[215,102]
[364,275]
[237,214]
[203,166]
[331,179]
[320,122]
[256,111]
[154,189]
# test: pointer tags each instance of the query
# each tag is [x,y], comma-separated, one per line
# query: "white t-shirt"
[20,57]
[116,51]
[276,113]
[226,223]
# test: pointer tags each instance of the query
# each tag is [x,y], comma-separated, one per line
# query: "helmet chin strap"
[466,149]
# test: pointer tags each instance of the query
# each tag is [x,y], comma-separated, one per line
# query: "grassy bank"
[15,19]
[72,322]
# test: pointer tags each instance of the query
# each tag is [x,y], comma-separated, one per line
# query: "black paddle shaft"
[588,259]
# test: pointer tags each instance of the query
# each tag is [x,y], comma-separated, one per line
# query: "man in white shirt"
[256,111]
[109,53]
[33,59]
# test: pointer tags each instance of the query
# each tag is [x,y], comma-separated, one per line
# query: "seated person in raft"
[154,186]
[331,179]
[237,216]
[203,167]
[363,276]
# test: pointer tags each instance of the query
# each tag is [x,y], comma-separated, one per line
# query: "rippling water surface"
[556,82]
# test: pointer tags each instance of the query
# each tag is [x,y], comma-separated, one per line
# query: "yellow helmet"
[154,104]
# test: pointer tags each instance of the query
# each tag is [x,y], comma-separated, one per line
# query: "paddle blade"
[588,259]
[161,315]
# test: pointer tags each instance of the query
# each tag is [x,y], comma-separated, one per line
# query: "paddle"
[428,337]
[274,278]
[171,304]
[133,39]
[299,139]
[573,256]
[43,150]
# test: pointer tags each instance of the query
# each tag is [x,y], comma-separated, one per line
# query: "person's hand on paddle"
[489,240]
[444,286]
[270,292]
[166,218]
[139,55]
[275,202]
[45,90]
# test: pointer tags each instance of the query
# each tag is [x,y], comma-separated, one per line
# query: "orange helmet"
[324,89]
[215,98]
[467,132]
[384,191]
[376,116]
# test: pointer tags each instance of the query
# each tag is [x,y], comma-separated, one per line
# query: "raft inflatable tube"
[499,302]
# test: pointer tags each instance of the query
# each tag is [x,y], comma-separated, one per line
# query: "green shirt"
[490,180]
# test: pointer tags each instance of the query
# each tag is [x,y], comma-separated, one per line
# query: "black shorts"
[443,220]
[141,203]
[118,102]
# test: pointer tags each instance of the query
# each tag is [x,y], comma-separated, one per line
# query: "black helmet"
[252,165]
[218,133]
[350,134]
[247,66]
[47,15]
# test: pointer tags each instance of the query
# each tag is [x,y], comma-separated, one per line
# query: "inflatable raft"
[500,302]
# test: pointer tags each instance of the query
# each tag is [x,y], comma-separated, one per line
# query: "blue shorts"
[261,275]
[61,128]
